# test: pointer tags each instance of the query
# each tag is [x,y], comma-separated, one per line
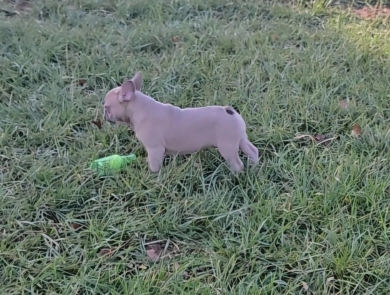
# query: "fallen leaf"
[143,267]
[186,275]
[98,123]
[325,140]
[305,286]
[24,5]
[176,266]
[176,246]
[75,225]
[152,254]
[320,137]
[82,82]
[356,130]
[344,104]
[303,136]
[328,280]
[153,250]
[105,251]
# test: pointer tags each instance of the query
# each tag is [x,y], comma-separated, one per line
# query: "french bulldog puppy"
[164,129]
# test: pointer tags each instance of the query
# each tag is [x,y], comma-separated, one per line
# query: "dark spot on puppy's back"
[230,112]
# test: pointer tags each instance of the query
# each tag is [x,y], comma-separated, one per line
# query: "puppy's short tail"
[250,150]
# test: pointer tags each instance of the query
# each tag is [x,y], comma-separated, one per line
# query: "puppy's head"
[116,100]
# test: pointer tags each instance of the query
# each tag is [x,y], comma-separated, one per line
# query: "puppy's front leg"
[155,158]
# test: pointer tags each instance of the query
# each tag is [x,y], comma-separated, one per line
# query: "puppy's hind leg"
[155,157]
[250,150]
[230,154]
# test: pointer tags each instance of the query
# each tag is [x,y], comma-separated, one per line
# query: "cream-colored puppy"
[165,129]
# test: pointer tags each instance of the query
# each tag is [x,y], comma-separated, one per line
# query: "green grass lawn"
[312,218]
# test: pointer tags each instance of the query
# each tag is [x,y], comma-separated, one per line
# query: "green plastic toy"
[111,164]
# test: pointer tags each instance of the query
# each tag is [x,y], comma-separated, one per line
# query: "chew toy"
[111,164]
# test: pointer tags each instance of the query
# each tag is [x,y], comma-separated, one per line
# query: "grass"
[311,219]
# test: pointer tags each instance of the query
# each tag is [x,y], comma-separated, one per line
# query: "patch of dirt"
[367,10]
[16,8]
[369,13]
[24,5]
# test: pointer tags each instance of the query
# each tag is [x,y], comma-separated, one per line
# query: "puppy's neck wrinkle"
[139,102]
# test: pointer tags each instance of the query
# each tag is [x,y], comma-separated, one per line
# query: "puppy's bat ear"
[127,91]
[138,81]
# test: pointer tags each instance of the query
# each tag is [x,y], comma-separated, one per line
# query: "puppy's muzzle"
[108,120]
[105,116]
